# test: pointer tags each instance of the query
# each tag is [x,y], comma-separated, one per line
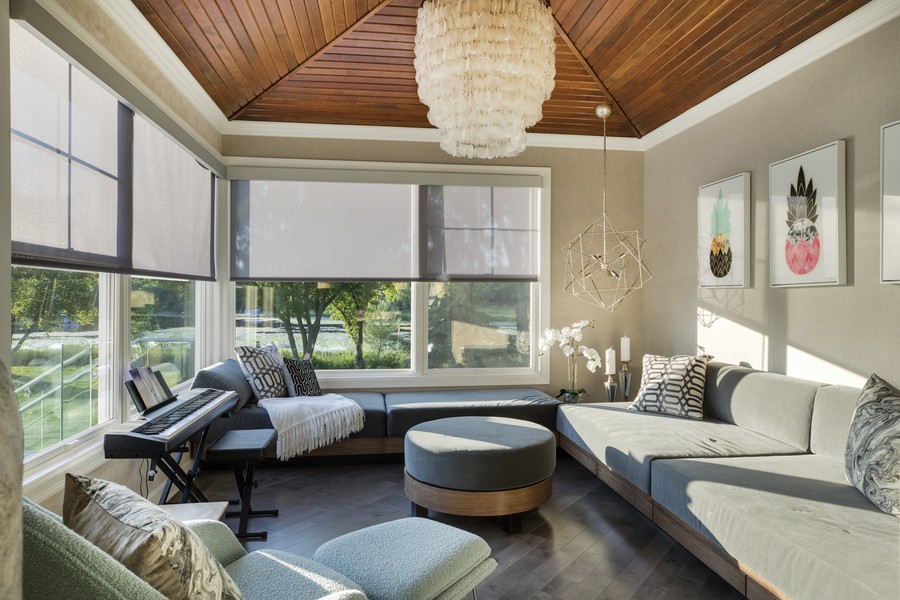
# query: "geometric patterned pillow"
[264,370]
[145,539]
[672,386]
[303,377]
[872,461]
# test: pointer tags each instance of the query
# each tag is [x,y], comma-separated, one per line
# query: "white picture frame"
[723,209]
[807,218]
[890,203]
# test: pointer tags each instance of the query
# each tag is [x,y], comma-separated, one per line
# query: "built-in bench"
[388,415]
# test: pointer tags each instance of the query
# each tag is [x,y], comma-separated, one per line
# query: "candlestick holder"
[610,387]
[625,379]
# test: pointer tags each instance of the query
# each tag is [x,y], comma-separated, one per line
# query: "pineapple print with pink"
[802,246]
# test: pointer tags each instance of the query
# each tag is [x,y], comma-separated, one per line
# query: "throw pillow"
[264,369]
[303,377]
[672,385]
[146,539]
[872,461]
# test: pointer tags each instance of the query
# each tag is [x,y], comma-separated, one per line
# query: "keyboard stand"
[189,492]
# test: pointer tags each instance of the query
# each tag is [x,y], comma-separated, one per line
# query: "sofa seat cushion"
[267,574]
[794,520]
[253,416]
[407,409]
[628,442]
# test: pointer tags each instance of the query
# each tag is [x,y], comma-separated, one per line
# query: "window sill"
[379,380]
[42,481]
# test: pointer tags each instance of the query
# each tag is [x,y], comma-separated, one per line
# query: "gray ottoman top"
[480,453]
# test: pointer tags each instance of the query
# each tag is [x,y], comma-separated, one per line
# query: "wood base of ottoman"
[505,503]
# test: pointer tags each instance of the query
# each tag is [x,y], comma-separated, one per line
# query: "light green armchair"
[408,559]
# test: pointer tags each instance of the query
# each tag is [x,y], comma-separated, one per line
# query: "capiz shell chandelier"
[484,68]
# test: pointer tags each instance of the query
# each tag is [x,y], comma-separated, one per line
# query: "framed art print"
[807,226]
[724,232]
[890,203]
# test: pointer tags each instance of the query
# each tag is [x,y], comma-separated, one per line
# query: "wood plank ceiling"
[351,61]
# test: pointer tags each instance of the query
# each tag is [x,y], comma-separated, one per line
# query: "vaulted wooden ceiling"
[351,61]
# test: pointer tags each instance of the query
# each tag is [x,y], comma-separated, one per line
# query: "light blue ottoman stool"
[479,467]
[410,559]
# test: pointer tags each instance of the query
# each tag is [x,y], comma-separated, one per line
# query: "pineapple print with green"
[720,249]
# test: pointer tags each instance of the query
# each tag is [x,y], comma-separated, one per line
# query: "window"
[58,357]
[100,196]
[346,325]
[463,254]
[162,327]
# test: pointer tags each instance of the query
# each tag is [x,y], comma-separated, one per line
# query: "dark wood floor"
[585,543]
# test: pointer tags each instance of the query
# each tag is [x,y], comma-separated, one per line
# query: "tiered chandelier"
[605,264]
[484,68]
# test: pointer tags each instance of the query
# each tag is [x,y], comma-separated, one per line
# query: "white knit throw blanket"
[305,423]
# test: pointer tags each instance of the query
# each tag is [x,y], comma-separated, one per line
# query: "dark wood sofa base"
[738,575]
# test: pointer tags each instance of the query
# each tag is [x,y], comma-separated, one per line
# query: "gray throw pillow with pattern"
[672,386]
[264,369]
[872,462]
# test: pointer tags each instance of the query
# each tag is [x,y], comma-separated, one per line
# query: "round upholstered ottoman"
[479,466]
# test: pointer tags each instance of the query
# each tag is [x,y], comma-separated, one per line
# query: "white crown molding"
[142,33]
[851,27]
[410,134]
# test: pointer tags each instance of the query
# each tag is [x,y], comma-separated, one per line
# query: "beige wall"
[839,334]
[576,187]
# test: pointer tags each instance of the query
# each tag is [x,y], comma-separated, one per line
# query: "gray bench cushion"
[480,453]
[628,441]
[226,375]
[407,409]
[793,519]
[774,405]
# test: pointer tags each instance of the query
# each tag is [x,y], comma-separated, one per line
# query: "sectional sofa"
[756,489]
[388,415]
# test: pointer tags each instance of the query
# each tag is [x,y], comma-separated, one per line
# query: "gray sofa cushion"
[628,441]
[831,418]
[226,375]
[774,405]
[406,409]
[793,519]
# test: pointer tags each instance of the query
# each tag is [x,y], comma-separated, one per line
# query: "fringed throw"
[305,423]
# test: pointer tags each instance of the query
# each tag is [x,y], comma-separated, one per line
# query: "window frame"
[418,375]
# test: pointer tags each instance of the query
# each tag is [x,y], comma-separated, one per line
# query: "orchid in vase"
[568,339]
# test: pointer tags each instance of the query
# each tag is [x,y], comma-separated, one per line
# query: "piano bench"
[243,448]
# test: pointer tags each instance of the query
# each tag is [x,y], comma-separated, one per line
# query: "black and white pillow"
[302,377]
[264,370]
[872,463]
[672,385]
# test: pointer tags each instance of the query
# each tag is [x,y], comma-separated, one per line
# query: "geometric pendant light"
[605,264]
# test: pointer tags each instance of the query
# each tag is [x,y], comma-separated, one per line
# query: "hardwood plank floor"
[585,543]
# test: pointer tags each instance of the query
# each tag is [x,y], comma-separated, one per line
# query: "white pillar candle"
[610,361]
[625,348]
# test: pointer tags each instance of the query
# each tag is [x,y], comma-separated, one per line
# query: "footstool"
[479,466]
[410,559]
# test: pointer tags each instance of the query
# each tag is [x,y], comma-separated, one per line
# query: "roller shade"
[93,186]
[332,231]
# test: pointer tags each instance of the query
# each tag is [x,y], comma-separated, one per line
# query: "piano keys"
[165,432]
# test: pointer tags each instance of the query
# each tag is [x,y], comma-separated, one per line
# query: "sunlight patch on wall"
[731,342]
[806,366]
